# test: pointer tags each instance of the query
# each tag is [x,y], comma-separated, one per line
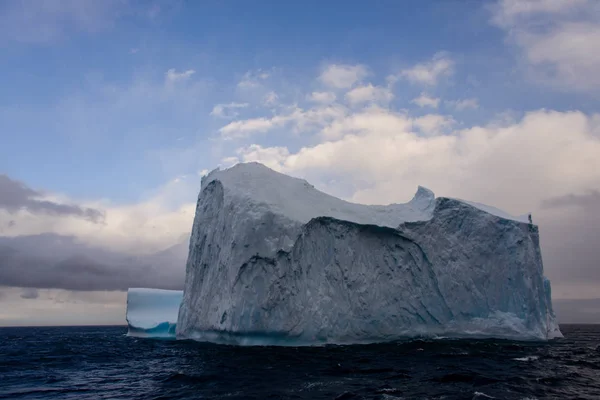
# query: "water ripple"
[102,363]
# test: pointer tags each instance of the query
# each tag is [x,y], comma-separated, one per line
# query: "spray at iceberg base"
[152,312]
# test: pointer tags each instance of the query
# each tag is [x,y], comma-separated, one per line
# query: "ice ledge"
[497,325]
[496,211]
[298,200]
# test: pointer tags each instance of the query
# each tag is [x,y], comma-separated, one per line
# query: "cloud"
[374,119]
[589,201]
[240,129]
[272,157]
[83,120]
[141,228]
[15,196]
[270,99]
[586,311]
[253,79]
[62,307]
[55,261]
[322,97]
[369,94]
[146,114]
[537,146]
[507,12]
[424,100]
[29,293]
[227,110]
[172,76]
[32,21]
[298,118]
[461,105]
[559,39]
[143,114]
[428,73]
[342,76]
[433,124]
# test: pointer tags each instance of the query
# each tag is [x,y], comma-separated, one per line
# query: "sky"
[111,111]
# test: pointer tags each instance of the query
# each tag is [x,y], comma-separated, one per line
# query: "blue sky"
[120,106]
[67,134]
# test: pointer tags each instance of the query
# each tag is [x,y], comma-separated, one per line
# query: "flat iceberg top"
[496,211]
[300,201]
[149,308]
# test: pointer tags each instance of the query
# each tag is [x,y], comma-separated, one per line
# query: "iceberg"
[152,312]
[273,261]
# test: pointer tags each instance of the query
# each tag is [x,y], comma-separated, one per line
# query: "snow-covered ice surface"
[274,261]
[497,212]
[152,312]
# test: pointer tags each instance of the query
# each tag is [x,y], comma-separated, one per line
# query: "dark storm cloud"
[30,293]
[15,196]
[55,261]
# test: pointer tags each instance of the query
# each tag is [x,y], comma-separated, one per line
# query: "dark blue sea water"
[102,363]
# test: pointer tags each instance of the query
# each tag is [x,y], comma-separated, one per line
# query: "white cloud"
[507,12]
[272,157]
[227,110]
[322,97]
[228,162]
[253,79]
[556,150]
[369,94]
[172,76]
[460,105]
[141,228]
[270,99]
[32,21]
[424,100]
[243,128]
[559,39]
[298,118]
[341,76]
[375,120]
[433,124]
[428,73]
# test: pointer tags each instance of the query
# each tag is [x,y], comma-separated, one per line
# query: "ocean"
[103,363]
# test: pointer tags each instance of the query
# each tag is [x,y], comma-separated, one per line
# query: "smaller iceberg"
[152,312]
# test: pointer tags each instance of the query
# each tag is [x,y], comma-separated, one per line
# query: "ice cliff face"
[274,261]
[152,312]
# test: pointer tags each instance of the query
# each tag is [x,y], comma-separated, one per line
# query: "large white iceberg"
[152,312]
[272,260]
